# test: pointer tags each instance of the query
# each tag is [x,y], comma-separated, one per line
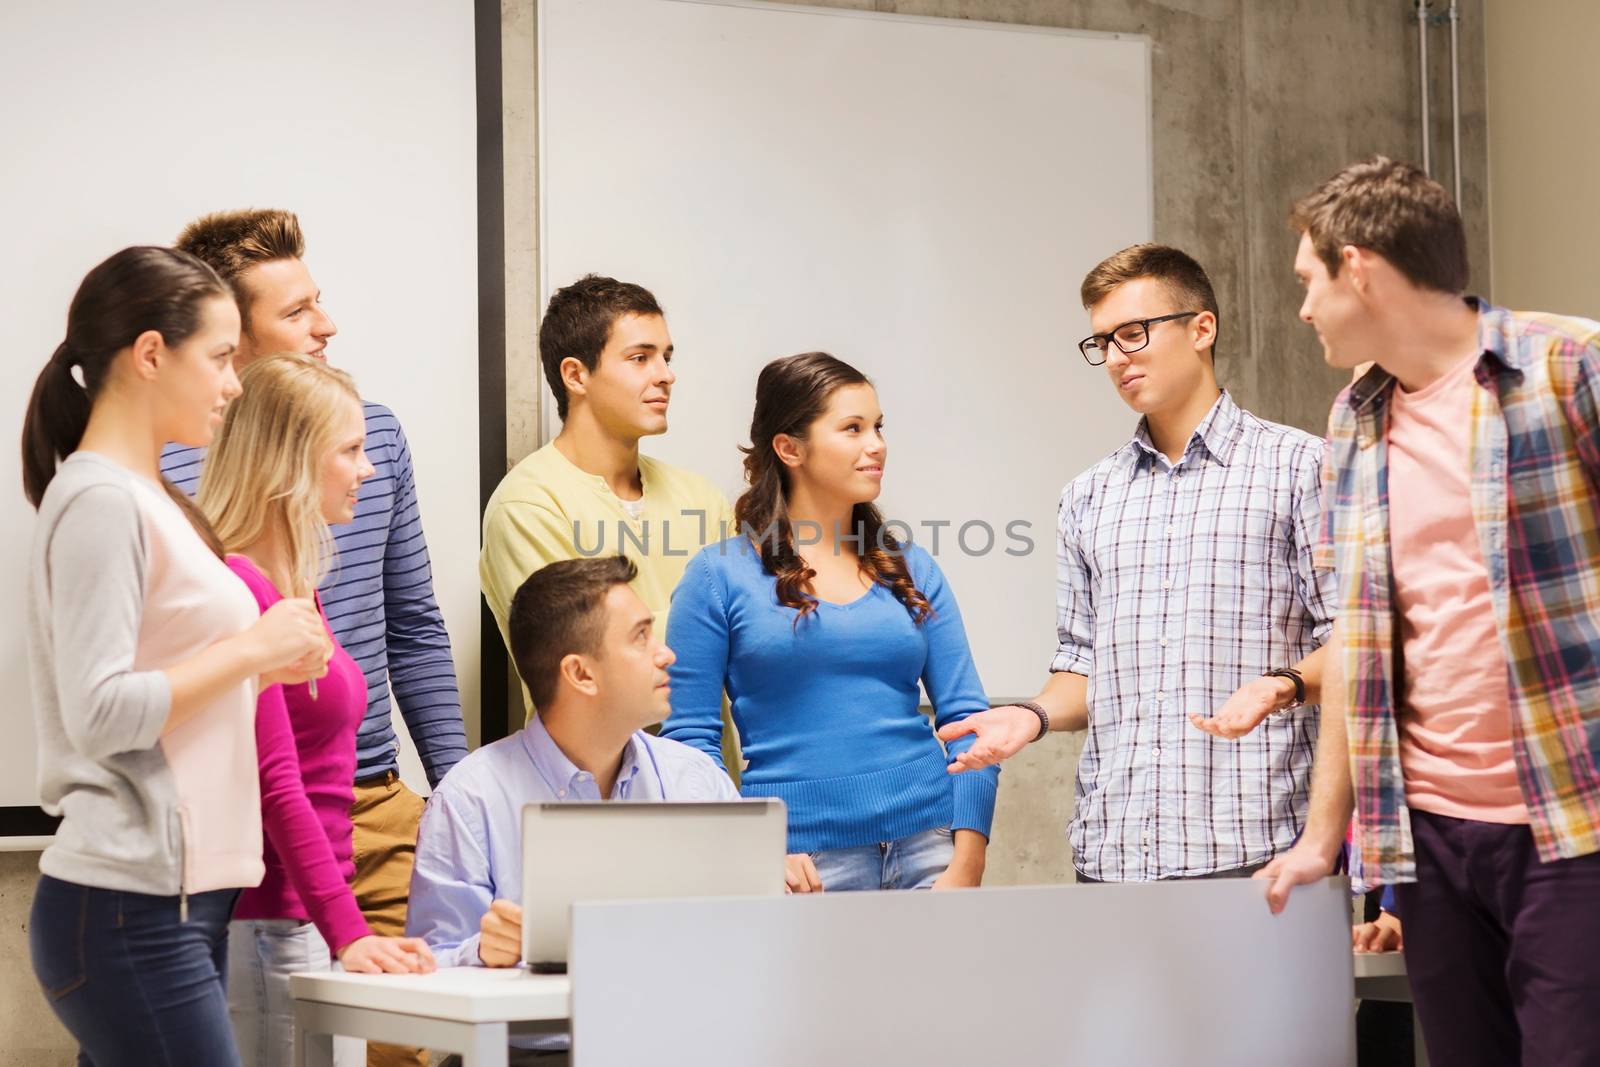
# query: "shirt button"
[1165,642]
[561,793]
[1167,584]
[1171,530]
[1161,695]
[1156,753]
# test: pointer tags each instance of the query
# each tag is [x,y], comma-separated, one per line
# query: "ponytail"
[58,413]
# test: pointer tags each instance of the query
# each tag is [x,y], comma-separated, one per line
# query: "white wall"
[123,121]
[919,197]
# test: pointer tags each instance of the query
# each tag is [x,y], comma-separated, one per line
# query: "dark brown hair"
[1179,273]
[1393,209]
[232,242]
[578,322]
[560,610]
[137,290]
[791,394]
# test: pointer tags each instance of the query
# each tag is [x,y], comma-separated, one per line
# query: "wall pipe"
[1455,93]
[1422,74]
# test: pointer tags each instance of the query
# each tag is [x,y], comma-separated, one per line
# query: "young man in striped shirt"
[379,599]
[1463,521]
[1184,582]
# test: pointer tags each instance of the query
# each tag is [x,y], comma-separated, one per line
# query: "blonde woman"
[288,461]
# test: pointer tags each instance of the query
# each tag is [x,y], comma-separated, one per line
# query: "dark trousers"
[134,985]
[1503,951]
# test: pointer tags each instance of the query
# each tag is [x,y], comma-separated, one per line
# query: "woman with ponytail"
[145,653]
[289,461]
[820,625]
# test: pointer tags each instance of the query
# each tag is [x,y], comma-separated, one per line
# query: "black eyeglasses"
[1130,337]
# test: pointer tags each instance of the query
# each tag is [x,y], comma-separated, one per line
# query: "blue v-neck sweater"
[827,711]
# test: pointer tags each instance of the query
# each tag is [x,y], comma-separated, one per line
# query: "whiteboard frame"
[549,422]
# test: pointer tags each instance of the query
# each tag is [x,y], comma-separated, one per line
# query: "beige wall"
[1543,154]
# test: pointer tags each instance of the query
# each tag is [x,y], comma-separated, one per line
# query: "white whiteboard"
[124,121]
[920,197]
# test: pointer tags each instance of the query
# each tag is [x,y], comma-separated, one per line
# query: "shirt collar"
[1496,337]
[561,774]
[1218,433]
[597,482]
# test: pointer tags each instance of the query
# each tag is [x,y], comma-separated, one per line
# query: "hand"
[800,874]
[1301,865]
[288,633]
[1002,733]
[1243,712]
[1381,935]
[311,665]
[500,935]
[387,955]
[967,859]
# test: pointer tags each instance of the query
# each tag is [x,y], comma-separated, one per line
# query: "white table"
[469,1010]
[474,1010]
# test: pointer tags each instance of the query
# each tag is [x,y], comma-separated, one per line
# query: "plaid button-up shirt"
[1176,584]
[1535,484]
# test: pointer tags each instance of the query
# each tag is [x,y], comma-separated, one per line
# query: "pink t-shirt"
[307,754]
[1455,714]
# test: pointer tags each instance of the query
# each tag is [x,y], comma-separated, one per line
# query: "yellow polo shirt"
[546,509]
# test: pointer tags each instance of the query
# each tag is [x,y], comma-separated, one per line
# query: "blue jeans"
[262,954]
[909,863]
[134,985]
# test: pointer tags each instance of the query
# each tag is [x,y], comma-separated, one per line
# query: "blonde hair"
[265,467]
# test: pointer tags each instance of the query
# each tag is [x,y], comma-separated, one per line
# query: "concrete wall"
[30,1036]
[1542,155]
[1255,101]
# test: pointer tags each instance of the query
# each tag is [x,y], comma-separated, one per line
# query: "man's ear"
[1354,265]
[575,376]
[788,450]
[1205,332]
[576,671]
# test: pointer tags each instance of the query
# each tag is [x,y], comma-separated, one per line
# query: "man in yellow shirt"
[607,359]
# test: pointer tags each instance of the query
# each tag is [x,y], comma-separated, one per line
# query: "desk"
[470,1010]
[474,1010]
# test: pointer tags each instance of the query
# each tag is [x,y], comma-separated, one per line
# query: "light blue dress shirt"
[1176,584]
[469,846]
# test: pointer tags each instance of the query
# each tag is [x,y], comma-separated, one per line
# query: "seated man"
[587,649]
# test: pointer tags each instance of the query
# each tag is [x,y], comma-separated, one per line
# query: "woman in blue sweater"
[819,625]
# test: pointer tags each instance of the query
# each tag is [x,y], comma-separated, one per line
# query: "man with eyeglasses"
[1190,620]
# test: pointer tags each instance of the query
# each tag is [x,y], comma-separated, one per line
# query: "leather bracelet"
[1299,688]
[1044,717]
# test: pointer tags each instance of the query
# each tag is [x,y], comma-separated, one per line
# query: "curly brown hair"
[791,394]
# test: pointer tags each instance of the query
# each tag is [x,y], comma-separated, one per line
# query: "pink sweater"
[307,754]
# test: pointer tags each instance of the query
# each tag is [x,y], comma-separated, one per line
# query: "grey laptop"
[621,850]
